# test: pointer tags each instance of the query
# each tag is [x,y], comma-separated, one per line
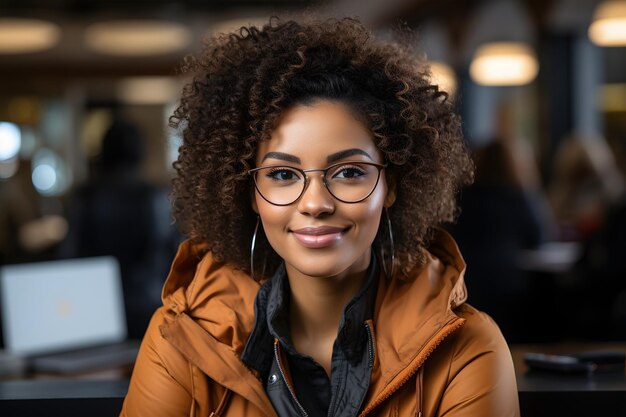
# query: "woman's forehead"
[318,130]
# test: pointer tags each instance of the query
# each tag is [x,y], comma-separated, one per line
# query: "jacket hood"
[209,313]
[217,296]
[210,307]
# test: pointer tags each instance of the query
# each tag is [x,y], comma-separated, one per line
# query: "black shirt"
[352,358]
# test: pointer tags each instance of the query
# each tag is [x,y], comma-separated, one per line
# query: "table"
[551,394]
[66,398]
[541,394]
[559,395]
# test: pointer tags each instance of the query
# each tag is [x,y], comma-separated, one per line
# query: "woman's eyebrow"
[348,152]
[283,156]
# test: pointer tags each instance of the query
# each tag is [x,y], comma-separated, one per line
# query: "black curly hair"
[244,81]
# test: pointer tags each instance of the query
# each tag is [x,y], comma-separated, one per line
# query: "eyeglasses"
[348,182]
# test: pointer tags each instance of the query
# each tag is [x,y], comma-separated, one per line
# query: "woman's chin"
[327,266]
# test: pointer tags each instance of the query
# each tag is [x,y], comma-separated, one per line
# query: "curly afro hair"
[244,81]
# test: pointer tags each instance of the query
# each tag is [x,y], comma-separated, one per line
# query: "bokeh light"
[504,64]
[10,140]
[49,173]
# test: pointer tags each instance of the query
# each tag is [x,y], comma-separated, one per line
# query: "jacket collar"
[272,304]
[211,310]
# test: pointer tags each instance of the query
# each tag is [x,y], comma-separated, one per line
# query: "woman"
[316,165]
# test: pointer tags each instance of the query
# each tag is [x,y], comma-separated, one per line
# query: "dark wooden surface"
[541,393]
[68,398]
[551,394]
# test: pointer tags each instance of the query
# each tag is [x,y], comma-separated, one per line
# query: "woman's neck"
[315,309]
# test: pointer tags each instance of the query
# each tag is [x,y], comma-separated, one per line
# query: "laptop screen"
[61,305]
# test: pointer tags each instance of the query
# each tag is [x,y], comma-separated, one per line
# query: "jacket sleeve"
[157,386]
[482,379]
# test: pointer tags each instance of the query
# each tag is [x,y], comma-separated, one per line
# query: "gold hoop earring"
[256,229]
[388,271]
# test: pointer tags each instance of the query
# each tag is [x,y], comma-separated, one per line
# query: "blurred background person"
[602,277]
[585,184]
[503,213]
[588,197]
[120,214]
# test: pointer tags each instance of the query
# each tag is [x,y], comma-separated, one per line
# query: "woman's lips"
[318,237]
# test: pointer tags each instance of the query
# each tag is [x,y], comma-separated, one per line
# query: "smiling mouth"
[318,237]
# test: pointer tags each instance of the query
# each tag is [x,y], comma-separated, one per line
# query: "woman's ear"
[390,198]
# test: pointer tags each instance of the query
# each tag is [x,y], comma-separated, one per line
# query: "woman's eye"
[283,174]
[348,172]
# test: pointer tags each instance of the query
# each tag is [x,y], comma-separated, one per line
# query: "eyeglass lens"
[350,182]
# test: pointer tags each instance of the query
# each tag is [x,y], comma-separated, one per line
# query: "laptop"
[66,316]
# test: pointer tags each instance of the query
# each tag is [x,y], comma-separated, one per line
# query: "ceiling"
[70,58]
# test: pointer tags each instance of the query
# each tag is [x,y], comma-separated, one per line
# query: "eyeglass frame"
[380,167]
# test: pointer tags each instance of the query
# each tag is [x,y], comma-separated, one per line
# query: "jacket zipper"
[370,345]
[282,374]
[370,352]
[449,328]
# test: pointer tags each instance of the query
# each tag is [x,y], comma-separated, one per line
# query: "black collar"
[271,308]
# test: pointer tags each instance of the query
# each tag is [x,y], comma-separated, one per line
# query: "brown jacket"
[434,354]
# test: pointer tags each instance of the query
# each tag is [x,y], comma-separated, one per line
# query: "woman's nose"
[316,199]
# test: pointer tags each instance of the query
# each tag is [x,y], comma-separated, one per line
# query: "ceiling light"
[137,37]
[443,76]
[18,36]
[504,64]
[608,27]
[148,90]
